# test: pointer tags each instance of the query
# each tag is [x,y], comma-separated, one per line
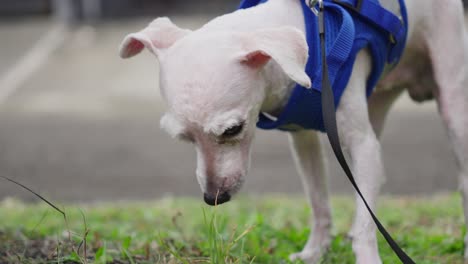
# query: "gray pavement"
[18,38]
[85,126]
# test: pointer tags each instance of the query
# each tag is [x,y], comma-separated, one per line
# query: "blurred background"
[77,123]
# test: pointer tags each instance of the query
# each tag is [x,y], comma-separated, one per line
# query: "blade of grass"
[214,239]
[44,200]
[36,194]
[235,241]
[128,256]
[83,241]
[171,250]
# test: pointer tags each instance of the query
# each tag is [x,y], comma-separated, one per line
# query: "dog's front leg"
[363,148]
[310,161]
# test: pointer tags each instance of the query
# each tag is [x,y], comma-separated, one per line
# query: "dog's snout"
[216,200]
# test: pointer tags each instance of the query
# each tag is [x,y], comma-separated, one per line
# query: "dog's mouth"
[217,199]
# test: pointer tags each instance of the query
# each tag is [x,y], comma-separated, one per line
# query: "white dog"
[216,81]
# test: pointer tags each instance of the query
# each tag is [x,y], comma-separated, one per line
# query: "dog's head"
[215,83]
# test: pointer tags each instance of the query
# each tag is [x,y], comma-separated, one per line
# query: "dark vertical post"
[92,10]
[68,11]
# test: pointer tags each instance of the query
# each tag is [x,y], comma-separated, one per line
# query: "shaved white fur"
[239,64]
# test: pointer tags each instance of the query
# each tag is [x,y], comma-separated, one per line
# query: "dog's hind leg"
[310,161]
[362,146]
[448,44]
[380,104]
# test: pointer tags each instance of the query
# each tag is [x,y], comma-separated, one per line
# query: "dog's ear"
[285,45]
[159,34]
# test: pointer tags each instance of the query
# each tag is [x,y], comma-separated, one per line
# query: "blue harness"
[351,26]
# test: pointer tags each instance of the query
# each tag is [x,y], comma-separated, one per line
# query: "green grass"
[248,230]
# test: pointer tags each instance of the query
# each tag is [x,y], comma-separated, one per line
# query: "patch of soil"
[16,248]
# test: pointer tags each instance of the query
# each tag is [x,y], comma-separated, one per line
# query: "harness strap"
[248,3]
[382,18]
[342,46]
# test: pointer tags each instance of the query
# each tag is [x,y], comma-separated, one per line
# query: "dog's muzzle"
[217,200]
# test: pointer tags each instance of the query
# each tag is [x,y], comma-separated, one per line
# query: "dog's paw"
[366,260]
[365,256]
[309,256]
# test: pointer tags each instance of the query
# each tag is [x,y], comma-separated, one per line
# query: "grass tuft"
[184,231]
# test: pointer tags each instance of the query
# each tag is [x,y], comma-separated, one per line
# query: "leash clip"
[313,6]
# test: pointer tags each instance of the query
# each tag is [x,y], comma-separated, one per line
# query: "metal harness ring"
[313,6]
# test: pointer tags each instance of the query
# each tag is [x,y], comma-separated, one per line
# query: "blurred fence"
[24,7]
[76,10]
[79,10]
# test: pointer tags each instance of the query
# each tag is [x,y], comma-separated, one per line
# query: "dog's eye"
[233,131]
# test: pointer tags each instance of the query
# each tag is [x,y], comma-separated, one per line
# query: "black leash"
[329,119]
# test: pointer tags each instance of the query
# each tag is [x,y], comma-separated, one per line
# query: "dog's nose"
[213,200]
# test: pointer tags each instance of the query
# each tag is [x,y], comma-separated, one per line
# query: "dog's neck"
[289,13]
[278,85]
[274,13]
